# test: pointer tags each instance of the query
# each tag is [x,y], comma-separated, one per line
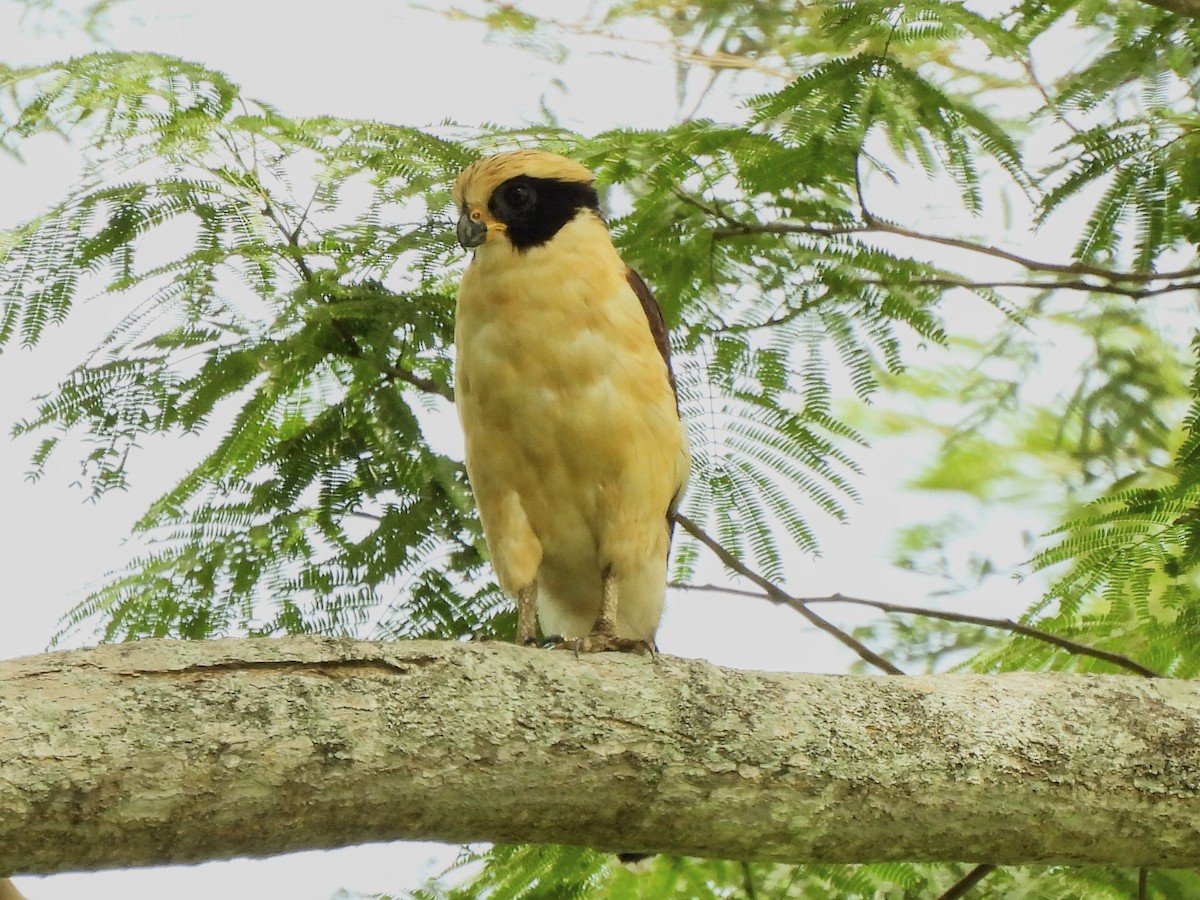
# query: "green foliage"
[312,330]
[287,326]
[281,293]
[544,873]
[1131,560]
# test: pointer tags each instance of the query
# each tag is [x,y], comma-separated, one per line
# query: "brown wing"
[658,329]
[658,325]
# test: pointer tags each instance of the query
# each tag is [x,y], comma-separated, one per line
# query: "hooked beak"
[470,232]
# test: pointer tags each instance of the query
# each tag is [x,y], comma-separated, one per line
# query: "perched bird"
[574,445]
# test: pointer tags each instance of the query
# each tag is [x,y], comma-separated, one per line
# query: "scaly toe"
[600,642]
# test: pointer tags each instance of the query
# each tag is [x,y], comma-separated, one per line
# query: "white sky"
[388,62]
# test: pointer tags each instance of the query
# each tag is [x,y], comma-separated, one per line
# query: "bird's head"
[522,198]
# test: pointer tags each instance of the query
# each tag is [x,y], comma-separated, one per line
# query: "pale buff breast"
[573,439]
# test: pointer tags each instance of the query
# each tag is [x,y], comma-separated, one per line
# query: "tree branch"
[959,888]
[1105,281]
[876,225]
[295,253]
[1075,284]
[175,751]
[1134,293]
[1080,649]
[778,595]
[418,381]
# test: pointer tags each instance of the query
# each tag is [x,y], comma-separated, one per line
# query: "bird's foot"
[603,642]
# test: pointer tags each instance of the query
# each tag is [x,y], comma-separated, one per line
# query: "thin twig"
[716,589]
[742,229]
[968,881]
[291,236]
[748,882]
[1051,103]
[778,595]
[875,225]
[1009,625]
[1028,631]
[419,381]
[1077,284]
[399,373]
[793,312]
[1075,268]
[708,209]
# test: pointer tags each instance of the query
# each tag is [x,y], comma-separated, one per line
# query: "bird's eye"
[518,196]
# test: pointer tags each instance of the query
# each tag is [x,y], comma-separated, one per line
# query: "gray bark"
[172,752]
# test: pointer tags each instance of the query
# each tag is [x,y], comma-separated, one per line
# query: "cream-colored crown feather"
[475,185]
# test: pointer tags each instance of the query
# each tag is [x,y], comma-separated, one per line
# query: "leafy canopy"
[283,289]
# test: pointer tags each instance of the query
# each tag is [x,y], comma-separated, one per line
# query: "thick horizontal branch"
[171,752]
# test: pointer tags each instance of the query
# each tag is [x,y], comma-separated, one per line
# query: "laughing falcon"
[574,446]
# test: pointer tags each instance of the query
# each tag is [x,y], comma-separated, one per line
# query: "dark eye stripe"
[552,205]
